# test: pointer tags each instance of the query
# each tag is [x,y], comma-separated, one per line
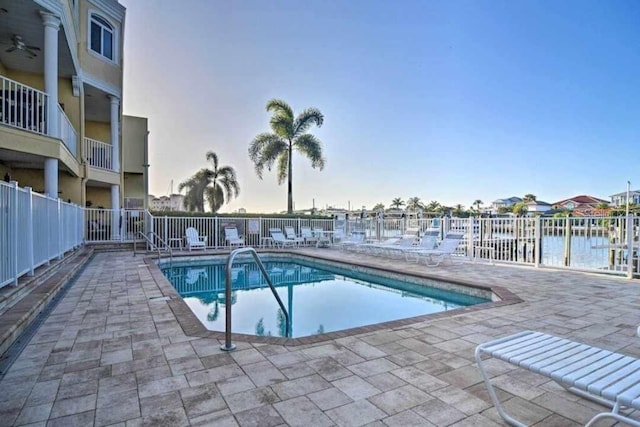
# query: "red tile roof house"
[583,205]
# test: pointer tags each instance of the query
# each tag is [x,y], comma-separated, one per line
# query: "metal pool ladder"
[228,346]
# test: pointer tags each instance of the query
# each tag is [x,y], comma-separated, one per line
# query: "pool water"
[319,299]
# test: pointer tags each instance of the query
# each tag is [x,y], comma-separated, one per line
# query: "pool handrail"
[228,345]
[153,245]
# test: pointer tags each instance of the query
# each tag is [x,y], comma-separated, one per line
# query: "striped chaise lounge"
[608,378]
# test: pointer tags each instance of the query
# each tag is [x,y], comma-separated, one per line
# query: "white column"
[115,131]
[51,177]
[115,212]
[51,27]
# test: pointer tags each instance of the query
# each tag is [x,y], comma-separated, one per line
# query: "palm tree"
[378,207]
[195,186]
[397,203]
[477,203]
[217,185]
[529,198]
[223,185]
[288,133]
[519,209]
[458,210]
[433,207]
[414,204]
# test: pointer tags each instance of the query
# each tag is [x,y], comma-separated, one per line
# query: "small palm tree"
[195,186]
[217,185]
[414,203]
[397,203]
[519,209]
[289,133]
[378,207]
[477,203]
[529,198]
[434,207]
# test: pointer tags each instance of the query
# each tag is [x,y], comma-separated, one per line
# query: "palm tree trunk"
[290,181]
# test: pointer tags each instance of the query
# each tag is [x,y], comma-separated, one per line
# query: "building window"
[101,37]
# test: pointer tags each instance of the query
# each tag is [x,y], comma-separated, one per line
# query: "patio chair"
[307,235]
[194,241]
[446,248]
[279,239]
[231,237]
[194,274]
[290,234]
[323,240]
[428,242]
[608,378]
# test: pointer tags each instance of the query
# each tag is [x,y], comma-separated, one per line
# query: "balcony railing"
[68,134]
[24,107]
[98,154]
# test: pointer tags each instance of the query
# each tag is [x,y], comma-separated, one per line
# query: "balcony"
[25,108]
[98,154]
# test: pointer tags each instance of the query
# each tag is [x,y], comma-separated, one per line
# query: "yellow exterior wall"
[99,197]
[3,70]
[134,185]
[134,136]
[98,130]
[102,69]
[69,187]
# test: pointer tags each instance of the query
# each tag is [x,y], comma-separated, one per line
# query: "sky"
[448,101]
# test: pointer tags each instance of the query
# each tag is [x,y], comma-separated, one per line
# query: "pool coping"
[192,326]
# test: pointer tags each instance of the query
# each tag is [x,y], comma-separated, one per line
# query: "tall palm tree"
[289,133]
[223,185]
[477,203]
[433,207]
[217,185]
[397,203]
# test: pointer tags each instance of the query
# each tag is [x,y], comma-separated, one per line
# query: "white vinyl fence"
[34,229]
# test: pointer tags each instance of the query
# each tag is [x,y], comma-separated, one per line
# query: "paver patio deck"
[108,355]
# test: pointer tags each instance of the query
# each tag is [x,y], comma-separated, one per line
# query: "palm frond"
[213,157]
[283,166]
[215,197]
[311,147]
[305,119]
[264,150]
[282,125]
[278,106]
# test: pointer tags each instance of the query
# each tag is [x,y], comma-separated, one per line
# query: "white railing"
[102,225]
[68,134]
[22,106]
[34,229]
[98,154]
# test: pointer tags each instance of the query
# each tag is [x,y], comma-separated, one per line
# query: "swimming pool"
[320,297]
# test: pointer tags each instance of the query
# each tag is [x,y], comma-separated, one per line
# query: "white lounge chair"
[194,241]
[428,242]
[356,238]
[279,239]
[290,234]
[307,235]
[446,248]
[323,239]
[231,237]
[608,378]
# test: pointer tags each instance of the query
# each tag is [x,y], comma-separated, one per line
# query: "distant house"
[582,205]
[620,199]
[174,202]
[504,203]
[537,207]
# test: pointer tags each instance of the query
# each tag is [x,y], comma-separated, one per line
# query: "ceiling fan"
[19,44]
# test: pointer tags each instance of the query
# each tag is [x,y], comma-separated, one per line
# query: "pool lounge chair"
[194,241]
[428,242]
[356,238]
[608,378]
[446,248]
[279,239]
[323,240]
[231,237]
[290,234]
[307,235]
